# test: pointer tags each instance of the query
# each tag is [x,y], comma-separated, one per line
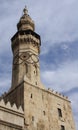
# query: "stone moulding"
[11,125]
[11,116]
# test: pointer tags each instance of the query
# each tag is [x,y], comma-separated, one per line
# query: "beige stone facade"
[43,109]
[11,118]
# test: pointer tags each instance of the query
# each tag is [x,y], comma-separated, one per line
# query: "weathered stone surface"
[43,106]
[11,117]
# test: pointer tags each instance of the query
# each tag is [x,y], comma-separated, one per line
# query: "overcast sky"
[57,23]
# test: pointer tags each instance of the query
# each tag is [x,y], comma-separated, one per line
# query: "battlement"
[11,115]
[12,108]
[57,94]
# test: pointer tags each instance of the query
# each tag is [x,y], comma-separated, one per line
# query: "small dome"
[26,23]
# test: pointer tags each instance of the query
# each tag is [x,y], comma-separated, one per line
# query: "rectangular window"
[62,127]
[59,112]
[31,95]
[26,66]
[32,118]
[44,113]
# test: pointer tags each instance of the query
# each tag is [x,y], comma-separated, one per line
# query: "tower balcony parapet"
[27,37]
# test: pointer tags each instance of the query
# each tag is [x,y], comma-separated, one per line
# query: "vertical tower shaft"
[26,48]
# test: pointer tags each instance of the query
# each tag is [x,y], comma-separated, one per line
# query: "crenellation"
[10,107]
[57,93]
[3,95]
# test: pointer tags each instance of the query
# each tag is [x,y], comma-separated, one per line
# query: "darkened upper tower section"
[25,22]
[26,29]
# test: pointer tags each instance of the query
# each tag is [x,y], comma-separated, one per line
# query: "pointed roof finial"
[25,10]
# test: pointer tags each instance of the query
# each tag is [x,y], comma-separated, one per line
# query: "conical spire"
[25,23]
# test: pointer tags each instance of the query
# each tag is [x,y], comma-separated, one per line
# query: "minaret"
[26,48]
[43,109]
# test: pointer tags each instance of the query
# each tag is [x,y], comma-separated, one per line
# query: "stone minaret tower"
[26,48]
[43,109]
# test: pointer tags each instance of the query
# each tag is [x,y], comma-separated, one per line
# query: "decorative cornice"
[26,32]
[10,125]
[26,37]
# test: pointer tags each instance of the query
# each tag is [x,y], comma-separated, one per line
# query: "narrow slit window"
[32,118]
[62,127]
[31,95]
[35,72]
[26,66]
[36,83]
[59,112]
[44,113]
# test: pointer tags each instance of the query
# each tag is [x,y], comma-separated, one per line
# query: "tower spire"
[26,22]
[25,10]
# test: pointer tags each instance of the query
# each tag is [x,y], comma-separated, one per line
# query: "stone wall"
[15,95]
[46,109]
[11,117]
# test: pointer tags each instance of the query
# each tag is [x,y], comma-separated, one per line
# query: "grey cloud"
[63,78]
